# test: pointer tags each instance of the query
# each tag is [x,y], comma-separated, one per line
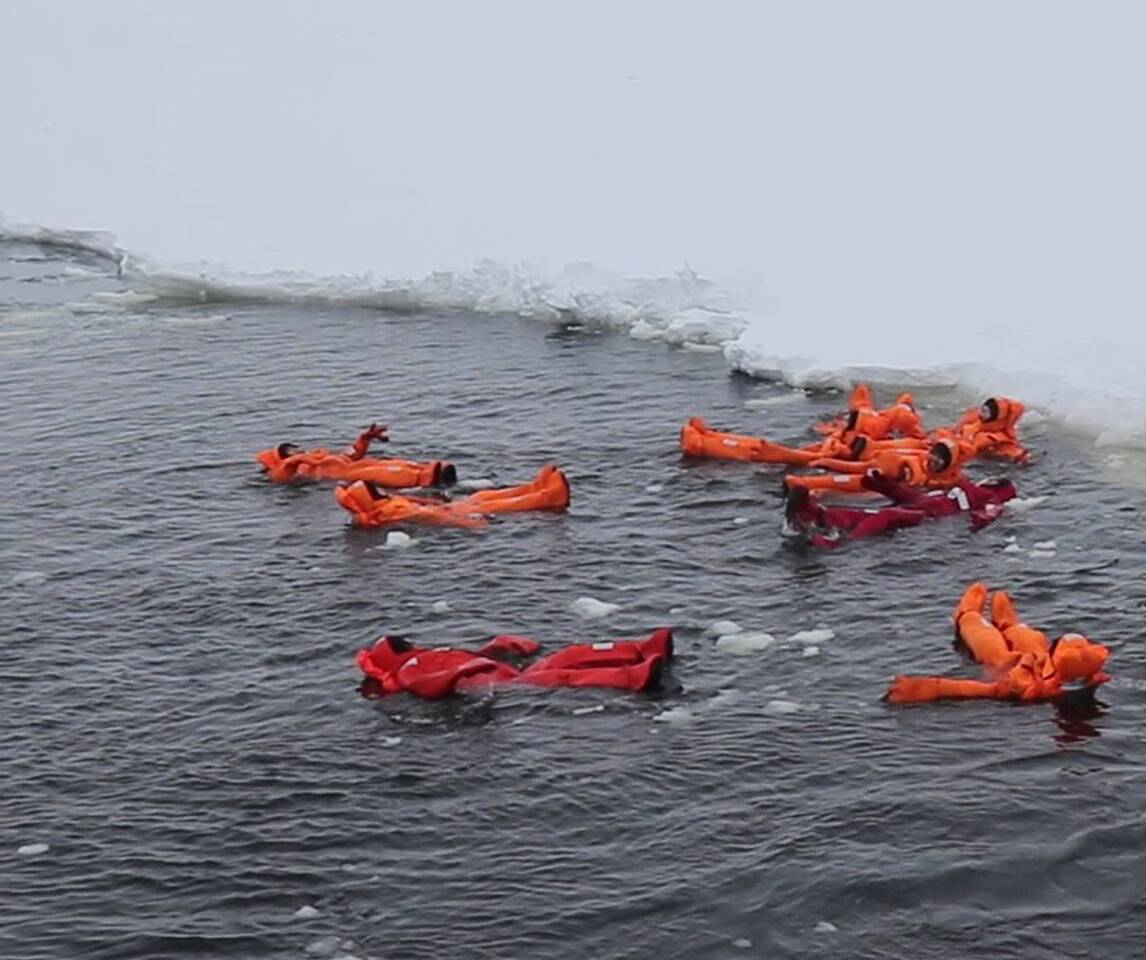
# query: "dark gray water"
[181,721]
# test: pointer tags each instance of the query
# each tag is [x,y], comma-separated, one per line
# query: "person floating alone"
[287,462]
[1018,661]
[369,506]
[991,430]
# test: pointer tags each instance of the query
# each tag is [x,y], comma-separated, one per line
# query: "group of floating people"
[886,453]
[866,453]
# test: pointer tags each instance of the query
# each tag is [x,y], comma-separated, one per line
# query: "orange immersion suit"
[911,466]
[992,430]
[698,439]
[1020,663]
[285,463]
[863,417]
[370,507]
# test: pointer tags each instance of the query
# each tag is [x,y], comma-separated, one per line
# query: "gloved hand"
[377,431]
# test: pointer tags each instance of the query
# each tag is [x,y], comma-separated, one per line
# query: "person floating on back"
[369,506]
[287,462]
[1018,662]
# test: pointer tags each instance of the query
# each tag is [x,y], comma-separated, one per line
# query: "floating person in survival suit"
[991,430]
[863,418]
[1019,662]
[286,462]
[398,666]
[371,507]
[834,526]
[698,439]
[939,467]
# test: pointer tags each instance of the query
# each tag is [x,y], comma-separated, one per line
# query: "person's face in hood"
[273,458]
[389,653]
[1076,658]
[940,458]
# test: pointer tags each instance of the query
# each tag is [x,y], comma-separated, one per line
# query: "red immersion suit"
[834,526]
[398,666]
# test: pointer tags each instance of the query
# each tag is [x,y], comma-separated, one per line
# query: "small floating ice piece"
[811,651]
[581,711]
[127,298]
[745,644]
[79,273]
[80,308]
[479,483]
[781,707]
[1045,545]
[593,609]
[677,716]
[1040,554]
[825,927]
[397,540]
[1012,548]
[762,403]
[742,943]
[305,913]
[28,578]
[32,849]
[818,635]
[391,741]
[739,521]
[1021,504]
[722,628]
[676,611]
[655,487]
[724,697]
[440,606]
[323,947]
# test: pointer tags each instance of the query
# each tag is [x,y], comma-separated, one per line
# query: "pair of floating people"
[394,665]
[363,479]
[833,526]
[1018,661]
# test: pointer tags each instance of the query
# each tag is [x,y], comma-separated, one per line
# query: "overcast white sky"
[887,162]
